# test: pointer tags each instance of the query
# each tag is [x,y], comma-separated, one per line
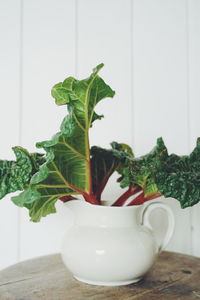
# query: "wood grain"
[173,276]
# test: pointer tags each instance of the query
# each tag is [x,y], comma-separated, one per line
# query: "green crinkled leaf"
[150,187]
[37,159]
[26,197]
[67,170]
[46,187]
[15,175]
[125,152]
[41,208]
[105,162]
[141,170]
[71,145]
[81,97]
[179,177]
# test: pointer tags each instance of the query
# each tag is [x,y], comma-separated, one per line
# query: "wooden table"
[173,276]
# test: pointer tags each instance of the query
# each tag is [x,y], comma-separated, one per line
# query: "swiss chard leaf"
[141,170]
[15,175]
[71,145]
[179,177]
[105,162]
[68,170]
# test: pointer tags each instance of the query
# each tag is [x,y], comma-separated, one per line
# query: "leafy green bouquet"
[70,167]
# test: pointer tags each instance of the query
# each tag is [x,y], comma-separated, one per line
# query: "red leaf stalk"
[133,189]
[67,198]
[140,199]
[91,199]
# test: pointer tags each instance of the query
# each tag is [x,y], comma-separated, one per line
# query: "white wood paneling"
[194,97]
[104,35]
[48,57]
[9,119]
[151,55]
[160,88]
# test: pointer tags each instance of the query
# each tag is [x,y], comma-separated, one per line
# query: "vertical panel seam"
[76,38]
[20,113]
[188,106]
[132,72]
[188,76]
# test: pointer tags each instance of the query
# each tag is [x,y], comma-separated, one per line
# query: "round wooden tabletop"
[173,276]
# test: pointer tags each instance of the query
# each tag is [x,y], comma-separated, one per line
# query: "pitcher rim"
[79,201]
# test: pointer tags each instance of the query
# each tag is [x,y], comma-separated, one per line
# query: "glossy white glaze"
[109,245]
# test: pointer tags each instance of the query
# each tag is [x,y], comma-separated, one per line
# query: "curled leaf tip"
[198,141]
[160,140]
[98,68]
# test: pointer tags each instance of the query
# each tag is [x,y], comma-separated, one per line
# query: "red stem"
[67,198]
[101,187]
[157,195]
[133,189]
[140,199]
[91,199]
[88,197]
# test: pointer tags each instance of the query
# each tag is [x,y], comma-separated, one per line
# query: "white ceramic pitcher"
[112,246]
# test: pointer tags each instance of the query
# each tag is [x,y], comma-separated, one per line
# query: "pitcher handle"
[171,221]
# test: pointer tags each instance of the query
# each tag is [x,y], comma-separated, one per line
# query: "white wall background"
[151,53]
